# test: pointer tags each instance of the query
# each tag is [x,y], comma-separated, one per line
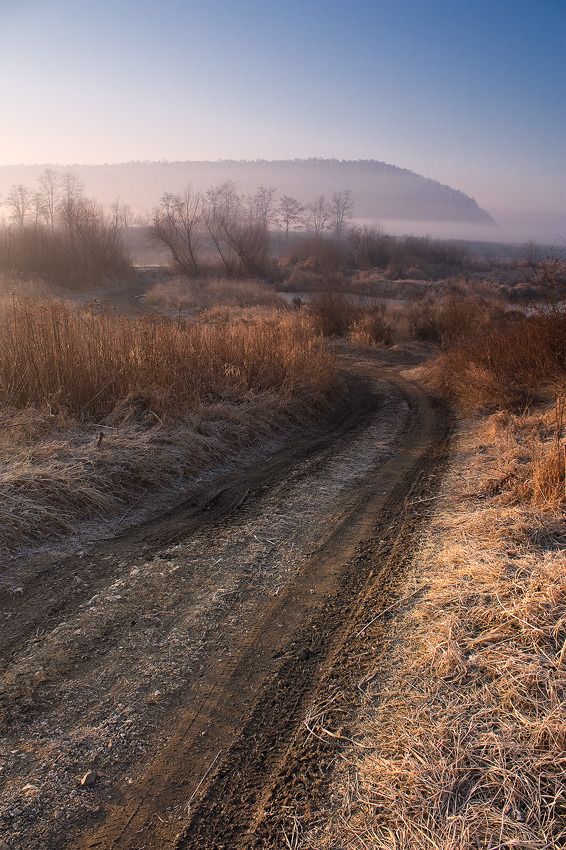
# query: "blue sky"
[470,92]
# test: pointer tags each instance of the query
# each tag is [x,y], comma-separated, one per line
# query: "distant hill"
[380,191]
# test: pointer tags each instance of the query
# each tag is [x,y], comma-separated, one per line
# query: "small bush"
[333,313]
[373,328]
[451,318]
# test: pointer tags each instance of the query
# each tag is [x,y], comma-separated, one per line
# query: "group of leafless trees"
[58,234]
[236,229]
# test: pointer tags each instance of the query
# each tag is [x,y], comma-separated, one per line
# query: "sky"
[468,92]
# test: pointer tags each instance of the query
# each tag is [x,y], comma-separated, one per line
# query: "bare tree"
[263,203]
[142,218]
[239,234]
[38,208]
[249,240]
[122,214]
[221,205]
[62,241]
[177,223]
[290,212]
[71,187]
[50,193]
[341,208]
[20,203]
[318,215]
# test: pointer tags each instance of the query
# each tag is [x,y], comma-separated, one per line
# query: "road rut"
[179,663]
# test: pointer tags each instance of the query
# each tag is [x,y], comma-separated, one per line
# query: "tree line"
[237,227]
[61,235]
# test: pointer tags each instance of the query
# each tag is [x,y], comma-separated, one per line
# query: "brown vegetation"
[173,401]
[193,295]
[462,739]
[62,237]
[333,314]
[84,362]
[512,361]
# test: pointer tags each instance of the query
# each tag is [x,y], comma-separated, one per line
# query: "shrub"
[511,363]
[85,248]
[332,313]
[451,318]
[373,328]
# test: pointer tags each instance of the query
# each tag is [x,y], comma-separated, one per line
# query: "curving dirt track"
[203,667]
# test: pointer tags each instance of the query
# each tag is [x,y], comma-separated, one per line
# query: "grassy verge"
[462,736]
[101,413]
[461,739]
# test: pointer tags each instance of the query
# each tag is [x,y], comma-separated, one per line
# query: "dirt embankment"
[174,668]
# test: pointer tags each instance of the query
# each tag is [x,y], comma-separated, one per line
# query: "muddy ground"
[195,673]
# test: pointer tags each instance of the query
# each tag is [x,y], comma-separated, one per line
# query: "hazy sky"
[470,92]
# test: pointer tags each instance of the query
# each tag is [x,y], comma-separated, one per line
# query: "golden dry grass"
[176,404]
[193,296]
[84,362]
[334,314]
[509,361]
[463,734]
[373,329]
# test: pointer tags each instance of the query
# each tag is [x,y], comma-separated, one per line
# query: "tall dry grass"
[333,314]
[84,362]
[500,360]
[450,317]
[192,295]
[493,358]
[461,739]
[102,414]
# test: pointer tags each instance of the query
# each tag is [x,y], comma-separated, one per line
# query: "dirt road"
[200,670]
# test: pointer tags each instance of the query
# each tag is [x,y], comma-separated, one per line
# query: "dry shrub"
[333,313]
[305,280]
[374,327]
[317,254]
[511,363]
[448,319]
[405,257]
[86,247]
